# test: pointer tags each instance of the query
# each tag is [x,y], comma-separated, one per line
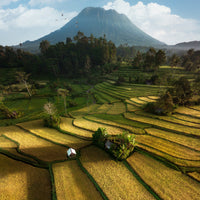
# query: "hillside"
[97,21]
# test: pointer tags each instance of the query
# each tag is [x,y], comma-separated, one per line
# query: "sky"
[170,21]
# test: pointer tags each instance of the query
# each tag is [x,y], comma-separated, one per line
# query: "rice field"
[72,183]
[117,108]
[195,175]
[123,126]
[113,177]
[20,181]
[131,108]
[188,111]
[189,142]
[93,126]
[187,118]
[36,127]
[163,124]
[167,183]
[34,146]
[168,147]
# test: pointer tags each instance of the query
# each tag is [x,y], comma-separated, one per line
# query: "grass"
[163,124]
[93,126]
[36,127]
[34,146]
[20,181]
[72,183]
[167,183]
[113,177]
[67,125]
[189,142]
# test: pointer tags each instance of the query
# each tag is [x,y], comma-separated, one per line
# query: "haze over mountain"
[97,21]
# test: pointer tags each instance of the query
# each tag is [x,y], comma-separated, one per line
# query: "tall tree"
[44,45]
[22,77]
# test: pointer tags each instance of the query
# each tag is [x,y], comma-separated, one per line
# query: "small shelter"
[108,144]
[71,153]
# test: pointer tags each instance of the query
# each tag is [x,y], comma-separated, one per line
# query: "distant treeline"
[80,57]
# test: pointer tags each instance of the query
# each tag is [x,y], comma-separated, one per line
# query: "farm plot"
[131,108]
[103,108]
[195,175]
[168,147]
[124,126]
[136,105]
[85,110]
[6,143]
[67,125]
[36,127]
[93,126]
[117,109]
[189,142]
[163,124]
[188,111]
[187,118]
[113,177]
[20,181]
[34,146]
[146,99]
[169,119]
[72,183]
[138,101]
[167,183]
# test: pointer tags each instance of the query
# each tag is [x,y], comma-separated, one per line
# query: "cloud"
[158,21]
[43,2]
[6,2]
[21,24]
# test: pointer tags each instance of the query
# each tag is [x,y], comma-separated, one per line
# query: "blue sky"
[171,21]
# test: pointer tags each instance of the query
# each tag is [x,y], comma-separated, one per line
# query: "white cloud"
[6,2]
[158,21]
[21,24]
[43,2]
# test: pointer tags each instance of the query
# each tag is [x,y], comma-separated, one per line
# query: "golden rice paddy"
[112,177]
[167,183]
[163,124]
[72,183]
[66,125]
[38,129]
[187,118]
[188,111]
[137,100]
[117,109]
[123,126]
[19,181]
[195,175]
[33,145]
[93,126]
[190,142]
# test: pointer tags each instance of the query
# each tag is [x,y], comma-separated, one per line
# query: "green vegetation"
[85,95]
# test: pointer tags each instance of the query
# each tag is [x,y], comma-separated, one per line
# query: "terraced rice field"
[72,183]
[20,181]
[34,165]
[34,146]
[113,177]
[67,125]
[36,127]
[163,124]
[93,126]
[167,183]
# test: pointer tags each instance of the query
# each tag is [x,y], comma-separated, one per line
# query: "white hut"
[71,153]
[108,144]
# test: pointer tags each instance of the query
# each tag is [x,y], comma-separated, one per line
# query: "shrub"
[52,119]
[8,113]
[100,136]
